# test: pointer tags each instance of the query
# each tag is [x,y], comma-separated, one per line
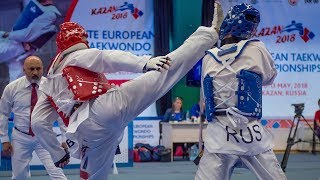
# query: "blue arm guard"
[208,93]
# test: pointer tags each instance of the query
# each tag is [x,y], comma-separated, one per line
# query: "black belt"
[220,113]
[75,107]
[22,131]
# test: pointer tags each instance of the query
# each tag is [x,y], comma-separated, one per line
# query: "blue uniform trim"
[209,100]
[214,57]
[221,52]
[232,49]
[227,51]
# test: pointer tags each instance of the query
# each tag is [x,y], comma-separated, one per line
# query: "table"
[181,132]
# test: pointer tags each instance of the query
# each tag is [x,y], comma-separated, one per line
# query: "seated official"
[195,111]
[175,113]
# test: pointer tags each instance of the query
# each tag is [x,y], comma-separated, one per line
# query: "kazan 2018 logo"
[304,32]
[287,33]
[119,12]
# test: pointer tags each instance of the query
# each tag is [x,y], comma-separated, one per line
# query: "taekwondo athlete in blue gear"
[34,27]
[236,72]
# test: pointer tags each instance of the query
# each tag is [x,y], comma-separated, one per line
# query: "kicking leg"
[132,97]
[112,111]
[146,89]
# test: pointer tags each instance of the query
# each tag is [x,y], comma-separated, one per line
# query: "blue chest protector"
[29,13]
[249,91]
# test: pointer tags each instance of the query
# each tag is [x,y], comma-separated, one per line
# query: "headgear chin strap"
[241,21]
[70,34]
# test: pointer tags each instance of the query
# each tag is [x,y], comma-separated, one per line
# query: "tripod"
[290,141]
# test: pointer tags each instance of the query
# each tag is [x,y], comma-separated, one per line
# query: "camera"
[298,108]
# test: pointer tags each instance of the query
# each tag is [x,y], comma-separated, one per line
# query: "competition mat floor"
[301,166]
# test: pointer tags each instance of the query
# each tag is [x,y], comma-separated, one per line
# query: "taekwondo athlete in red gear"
[34,27]
[232,80]
[95,128]
[20,97]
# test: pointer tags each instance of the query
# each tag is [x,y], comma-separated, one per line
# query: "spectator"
[175,113]
[195,110]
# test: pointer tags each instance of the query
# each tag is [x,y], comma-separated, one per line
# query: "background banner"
[292,36]
[117,25]
[146,131]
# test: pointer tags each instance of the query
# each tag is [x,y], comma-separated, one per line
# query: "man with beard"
[20,97]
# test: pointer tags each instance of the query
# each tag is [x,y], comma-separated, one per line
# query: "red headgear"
[70,34]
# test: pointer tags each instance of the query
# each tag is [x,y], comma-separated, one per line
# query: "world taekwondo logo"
[119,12]
[304,32]
[135,12]
[287,33]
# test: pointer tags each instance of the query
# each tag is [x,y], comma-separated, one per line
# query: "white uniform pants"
[216,166]
[23,146]
[110,113]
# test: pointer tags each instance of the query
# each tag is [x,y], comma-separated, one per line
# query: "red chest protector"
[85,84]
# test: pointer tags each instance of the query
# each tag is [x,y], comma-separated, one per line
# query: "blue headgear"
[241,21]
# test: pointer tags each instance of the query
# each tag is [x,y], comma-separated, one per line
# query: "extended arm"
[6,104]
[108,61]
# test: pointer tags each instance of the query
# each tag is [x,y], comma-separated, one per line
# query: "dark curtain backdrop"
[207,12]
[4,76]
[162,25]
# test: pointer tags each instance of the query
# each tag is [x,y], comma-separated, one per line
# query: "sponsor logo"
[119,12]
[287,33]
